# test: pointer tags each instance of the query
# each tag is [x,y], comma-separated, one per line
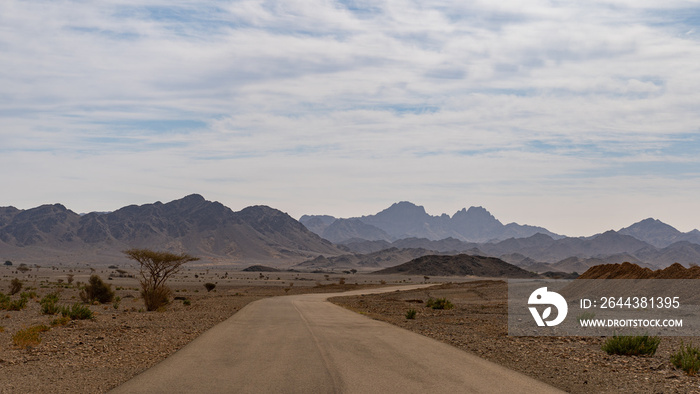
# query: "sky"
[578,116]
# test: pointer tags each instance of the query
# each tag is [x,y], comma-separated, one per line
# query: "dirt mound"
[459,265]
[633,271]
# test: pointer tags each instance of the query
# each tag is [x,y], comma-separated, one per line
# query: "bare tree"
[155,268]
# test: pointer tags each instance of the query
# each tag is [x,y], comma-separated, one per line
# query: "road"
[305,344]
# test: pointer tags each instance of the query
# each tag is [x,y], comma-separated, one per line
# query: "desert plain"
[122,340]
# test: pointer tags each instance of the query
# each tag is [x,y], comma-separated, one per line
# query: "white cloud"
[347,107]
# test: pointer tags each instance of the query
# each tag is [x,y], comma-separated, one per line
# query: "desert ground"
[89,356]
[478,324]
[123,340]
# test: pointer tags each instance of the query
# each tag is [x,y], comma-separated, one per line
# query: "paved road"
[304,344]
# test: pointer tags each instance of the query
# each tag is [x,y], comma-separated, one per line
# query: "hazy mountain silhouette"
[407,220]
[659,234]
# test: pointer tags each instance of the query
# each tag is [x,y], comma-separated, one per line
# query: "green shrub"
[15,286]
[209,286]
[186,302]
[440,303]
[17,305]
[411,314]
[4,302]
[77,312]
[687,358]
[631,345]
[96,290]
[48,304]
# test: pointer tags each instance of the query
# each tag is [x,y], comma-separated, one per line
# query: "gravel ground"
[93,356]
[478,324]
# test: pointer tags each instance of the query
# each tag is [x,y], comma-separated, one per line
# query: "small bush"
[411,314]
[17,305]
[186,302]
[631,345]
[60,321]
[48,304]
[156,298]
[4,302]
[29,336]
[97,290]
[440,303]
[15,286]
[687,358]
[77,312]
[209,286]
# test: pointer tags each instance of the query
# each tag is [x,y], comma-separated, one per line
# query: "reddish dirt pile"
[633,271]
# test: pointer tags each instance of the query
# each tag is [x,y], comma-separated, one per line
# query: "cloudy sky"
[580,116]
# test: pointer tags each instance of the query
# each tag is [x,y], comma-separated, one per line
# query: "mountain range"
[261,234]
[192,224]
[405,225]
[407,220]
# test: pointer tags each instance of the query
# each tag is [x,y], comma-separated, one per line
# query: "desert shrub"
[186,302]
[117,300]
[28,294]
[687,358]
[97,290]
[48,304]
[439,303]
[4,302]
[60,321]
[77,312]
[411,314]
[17,305]
[209,286]
[29,336]
[155,298]
[628,345]
[15,286]
[2,329]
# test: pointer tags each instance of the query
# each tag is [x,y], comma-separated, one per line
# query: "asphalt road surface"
[305,344]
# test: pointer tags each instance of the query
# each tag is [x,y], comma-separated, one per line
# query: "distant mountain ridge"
[405,225]
[407,220]
[659,234]
[191,224]
[260,234]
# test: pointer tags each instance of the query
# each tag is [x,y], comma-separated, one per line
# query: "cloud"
[350,105]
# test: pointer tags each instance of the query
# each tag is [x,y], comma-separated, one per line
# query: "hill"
[633,271]
[459,265]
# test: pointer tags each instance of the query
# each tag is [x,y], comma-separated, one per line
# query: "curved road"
[304,344]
